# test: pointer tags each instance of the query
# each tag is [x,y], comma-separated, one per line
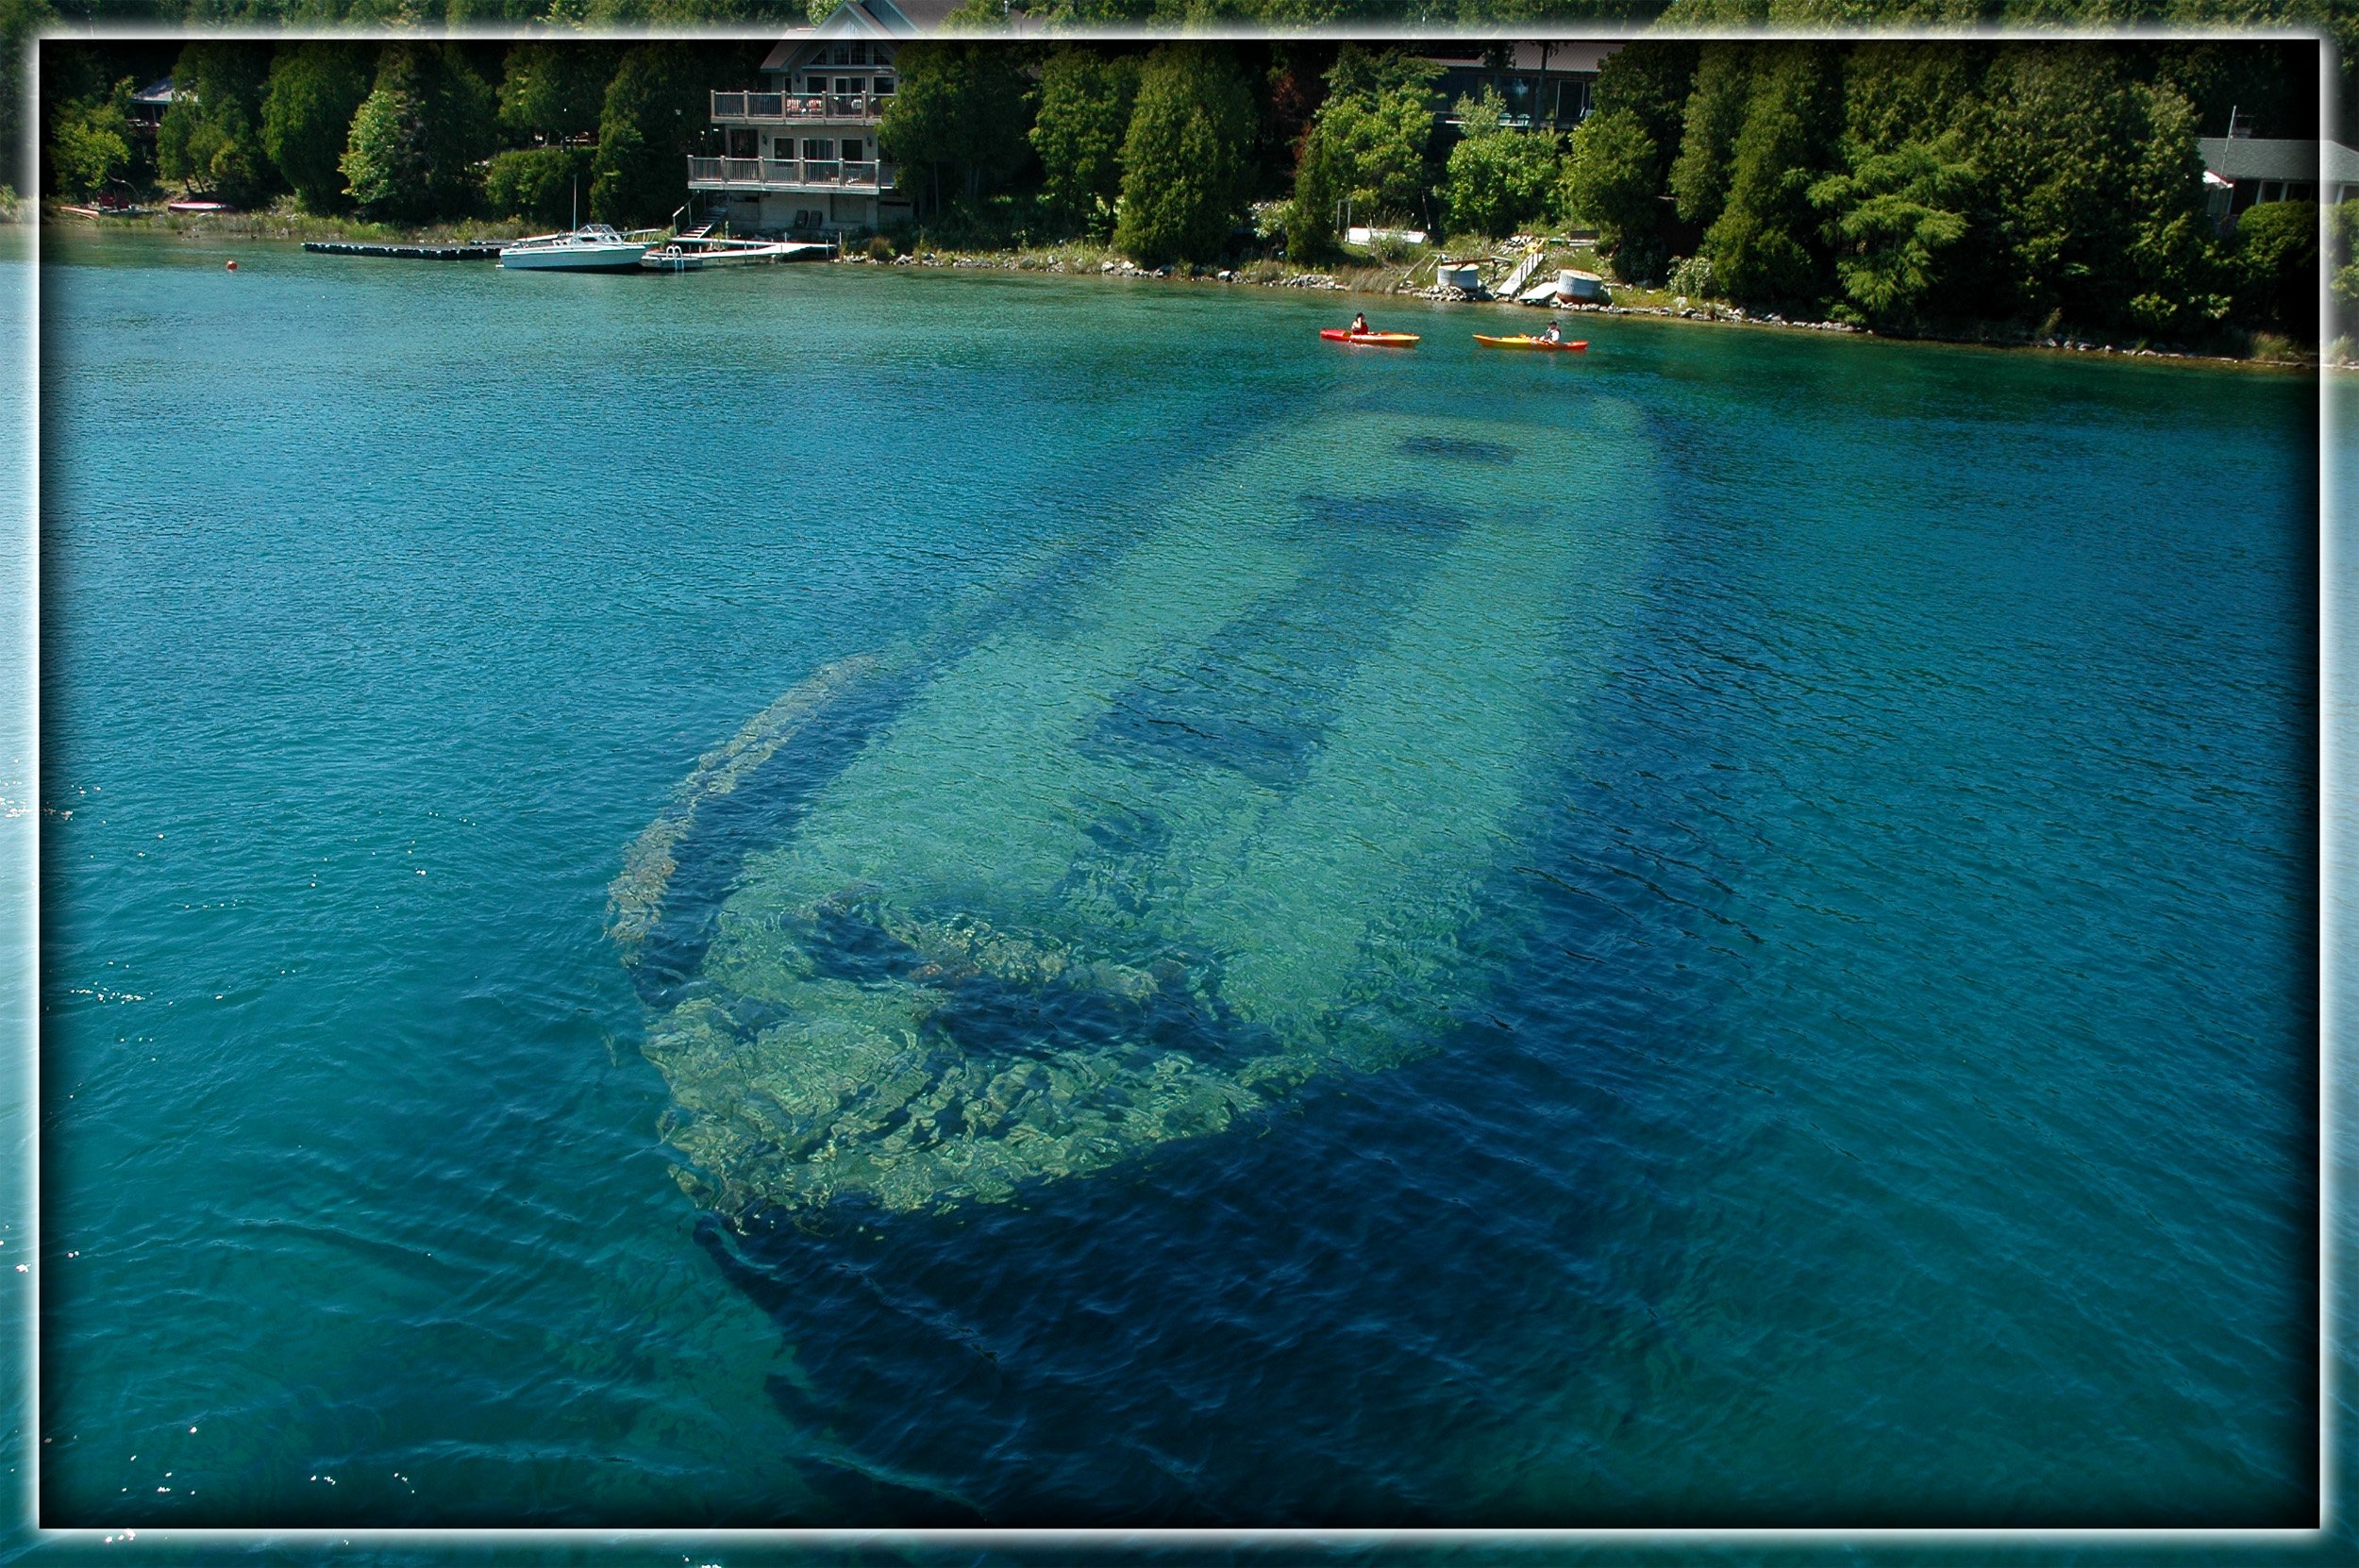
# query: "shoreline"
[1081,258]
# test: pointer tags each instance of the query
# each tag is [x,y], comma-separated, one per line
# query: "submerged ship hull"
[1131,872]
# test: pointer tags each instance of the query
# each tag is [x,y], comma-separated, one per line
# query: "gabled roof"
[891,19]
[2248,158]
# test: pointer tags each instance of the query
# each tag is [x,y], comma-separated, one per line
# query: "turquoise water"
[1713,933]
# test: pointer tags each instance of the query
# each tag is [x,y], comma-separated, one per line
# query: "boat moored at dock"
[592,248]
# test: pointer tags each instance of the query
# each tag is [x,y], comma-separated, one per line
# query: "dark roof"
[2248,158]
[1567,55]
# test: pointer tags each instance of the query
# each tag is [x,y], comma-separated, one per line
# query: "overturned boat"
[1135,865]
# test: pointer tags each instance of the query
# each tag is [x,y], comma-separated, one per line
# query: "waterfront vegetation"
[2025,187]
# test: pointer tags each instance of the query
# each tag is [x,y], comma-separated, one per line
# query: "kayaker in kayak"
[1555,334]
[1359,327]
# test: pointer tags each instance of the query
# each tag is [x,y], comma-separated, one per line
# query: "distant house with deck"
[800,150]
[2240,172]
[1546,86]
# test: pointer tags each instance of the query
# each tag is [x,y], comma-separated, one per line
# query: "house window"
[860,54]
[844,54]
[816,84]
[851,151]
[818,147]
[851,84]
[884,87]
[741,143]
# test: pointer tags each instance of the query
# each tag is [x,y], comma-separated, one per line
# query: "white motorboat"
[592,248]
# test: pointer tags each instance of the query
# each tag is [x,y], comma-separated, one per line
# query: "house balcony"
[809,175]
[798,108]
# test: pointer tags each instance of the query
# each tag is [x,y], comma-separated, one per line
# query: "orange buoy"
[232,266]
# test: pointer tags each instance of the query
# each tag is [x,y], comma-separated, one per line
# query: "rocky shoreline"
[1081,260]
[1393,282]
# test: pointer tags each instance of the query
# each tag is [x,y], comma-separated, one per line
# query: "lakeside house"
[2240,172]
[1546,86]
[800,152]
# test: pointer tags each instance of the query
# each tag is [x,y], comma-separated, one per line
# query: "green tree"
[1083,113]
[1651,79]
[2098,195]
[655,108]
[1188,155]
[90,141]
[313,92]
[1894,218]
[1612,176]
[961,110]
[20,20]
[1498,176]
[2175,287]
[1762,245]
[416,138]
[553,91]
[1365,149]
[2277,268]
[2342,233]
[210,137]
[542,185]
[1708,125]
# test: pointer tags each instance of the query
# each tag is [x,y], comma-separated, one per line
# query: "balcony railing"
[789,174]
[781,108]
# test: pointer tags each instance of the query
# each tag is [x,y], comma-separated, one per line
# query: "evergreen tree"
[1497,176]
[20,20]
[314,90]
[1709,125]
[1187,156]
[2099,194]
[655,108]
[1612,174]
[1651,79]
[1615,173]
[960,109]
[1763,243]
[210,137]
[2175,288]
[1084,112]
[416,138]
[1894,218]
[554,91]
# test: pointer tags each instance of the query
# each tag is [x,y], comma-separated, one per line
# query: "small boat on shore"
[695,252]
[1569,345]
[197,204]
[592,248]
[1371,339]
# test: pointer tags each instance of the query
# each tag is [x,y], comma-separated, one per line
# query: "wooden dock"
[486,251]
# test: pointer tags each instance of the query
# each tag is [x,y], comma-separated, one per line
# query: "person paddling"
[1359,327]
[1555,334]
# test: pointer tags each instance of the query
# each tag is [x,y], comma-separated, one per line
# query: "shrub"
[1691,275]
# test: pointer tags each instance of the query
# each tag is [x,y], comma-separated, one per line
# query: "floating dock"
[487,251]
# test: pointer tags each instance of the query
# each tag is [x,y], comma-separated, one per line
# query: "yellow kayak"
[1371,339]
[1570,346]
